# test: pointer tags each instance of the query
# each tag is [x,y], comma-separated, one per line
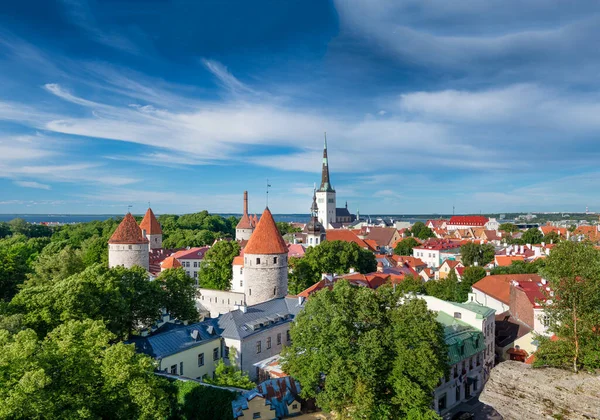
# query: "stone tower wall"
[243,234]
[326,202]
[265,280]
[129,255]
[155,241]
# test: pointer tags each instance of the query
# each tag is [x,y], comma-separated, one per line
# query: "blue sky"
[484,105]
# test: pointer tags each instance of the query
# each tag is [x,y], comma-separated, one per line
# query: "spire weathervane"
[268,185]
[129,208]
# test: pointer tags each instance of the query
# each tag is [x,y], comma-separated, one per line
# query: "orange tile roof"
[372,243]
[411,261]
[451,263]
[498,285]
[128,232]
[170,262]
[150,224]
[195,253]
[506,260]
[239,260]
[266,239]
[346,235]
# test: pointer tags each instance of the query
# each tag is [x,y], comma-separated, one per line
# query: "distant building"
[271,399]
[246,225]
[462,222]
[151,229]
[191,259]
[128,246]
[314,231]
[434,251]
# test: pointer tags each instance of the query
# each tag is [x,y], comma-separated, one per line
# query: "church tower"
[151,229]
[265,262]
[326,194]
[246,226]
[127,246]
[315,232]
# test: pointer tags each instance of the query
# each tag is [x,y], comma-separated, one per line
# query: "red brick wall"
[520,306]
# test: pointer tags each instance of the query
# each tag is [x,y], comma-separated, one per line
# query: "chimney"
[300,300]
[380,267]
[246,202]
[351,270]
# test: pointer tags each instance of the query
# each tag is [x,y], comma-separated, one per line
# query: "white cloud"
[32,184]
[227,80]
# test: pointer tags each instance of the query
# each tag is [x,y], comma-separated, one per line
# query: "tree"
[532,236]
[198,402]
[179,294]
[573,274]
[216,268]
[285,228]
[332,257]
[230,375]
[52,266]
[470,276]
[551,238]
[521,267]
[75,373]
[17,253]
[481,254]
[362,355]
[419,230]
[447,288]
[405,246]
[411,284]
[508,228]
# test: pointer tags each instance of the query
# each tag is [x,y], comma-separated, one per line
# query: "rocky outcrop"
[517,391]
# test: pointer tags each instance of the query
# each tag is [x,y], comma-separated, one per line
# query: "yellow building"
[192,350]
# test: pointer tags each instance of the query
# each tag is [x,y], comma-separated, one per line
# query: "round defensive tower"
[127,246]
[151,229]
[244,229]
[265,262]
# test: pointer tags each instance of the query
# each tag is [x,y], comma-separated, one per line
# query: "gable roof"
[266,239]
[383,236]
[128,232]
[411,261]
[346,235]
[468,220]
[506,260]
[238,324]
[451,263]
[498,285]
[195,253]
[150,224]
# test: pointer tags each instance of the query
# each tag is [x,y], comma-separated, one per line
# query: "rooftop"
[128,232]
[150,224]
[498,285]
[195,253]
[266,239]
[458,334]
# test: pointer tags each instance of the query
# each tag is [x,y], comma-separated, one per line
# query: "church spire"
[325,182]
[314,210]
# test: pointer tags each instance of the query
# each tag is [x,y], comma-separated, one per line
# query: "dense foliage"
[216,269]
[196,229]
[508,228]
[521,267]
[361,354]
[481,254]
[198,402]
[230,375]
[331,257]
[405,246]
[75,372]
[573,274]
[419,230]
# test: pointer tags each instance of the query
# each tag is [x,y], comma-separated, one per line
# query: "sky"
[487,106]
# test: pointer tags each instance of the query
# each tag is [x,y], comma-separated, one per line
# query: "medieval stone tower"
[151,229]
[265,262]
[315,232]
[246,226]
[128,246]
[326,194]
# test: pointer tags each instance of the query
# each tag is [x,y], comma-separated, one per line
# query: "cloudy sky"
[482,105]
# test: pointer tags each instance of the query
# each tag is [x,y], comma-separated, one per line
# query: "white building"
[191,260]
[326,199]
[434,252]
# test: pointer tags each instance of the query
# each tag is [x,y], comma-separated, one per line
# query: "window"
[455,372]
[195,264]
[294,406]
[216,354]
[242,270]
[130,247]
[181,368]
[442,403]
[274,260]
[278,339]
[187,264]
[201,359]
[457,315]
[274,291]
[268,342]
[287,335]
[256,415]
[195,274]
[258,261]
[174,369]
[457,393]
[310,240]
[226,350]
[241,283]
[249,292]
[258,350]
[545,320]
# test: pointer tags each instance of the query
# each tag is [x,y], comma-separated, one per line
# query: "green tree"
[508,228]
[230,375]
[198,402]
[216,268]
[52,266]
[17,253]
[419,230]
[470,276]
[447,288]
[405,246]
[75,373]
[573,273]
[301,275]
[411,284]
[481,254]
[532,236]
[521,267]
[362,355]
[285,228]
[179,294]
[552,238]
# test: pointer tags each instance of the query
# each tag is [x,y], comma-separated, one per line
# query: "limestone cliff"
[518,392]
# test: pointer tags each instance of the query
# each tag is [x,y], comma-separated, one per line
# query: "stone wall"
[216,302]
[265,280]
[517,391]
[243,234]
[155,241]
[129,255]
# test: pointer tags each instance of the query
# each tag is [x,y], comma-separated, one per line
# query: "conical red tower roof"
[128,232]
[150,224]
[266,238]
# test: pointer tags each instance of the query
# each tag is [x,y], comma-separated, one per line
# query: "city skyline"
[487,107]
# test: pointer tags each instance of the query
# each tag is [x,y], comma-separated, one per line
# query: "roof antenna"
[268,185]
[129,208]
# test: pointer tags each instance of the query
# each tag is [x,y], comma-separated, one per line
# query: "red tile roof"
[244,223]
[150,224]
[239,260]
[439,244]
[535,292]
[296,250]
[346,236]
[411,261]
[468,220]
[128,232]
[170,262]
[266,239]
[498,285]
[506,260]
[451,263]
[196,253]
